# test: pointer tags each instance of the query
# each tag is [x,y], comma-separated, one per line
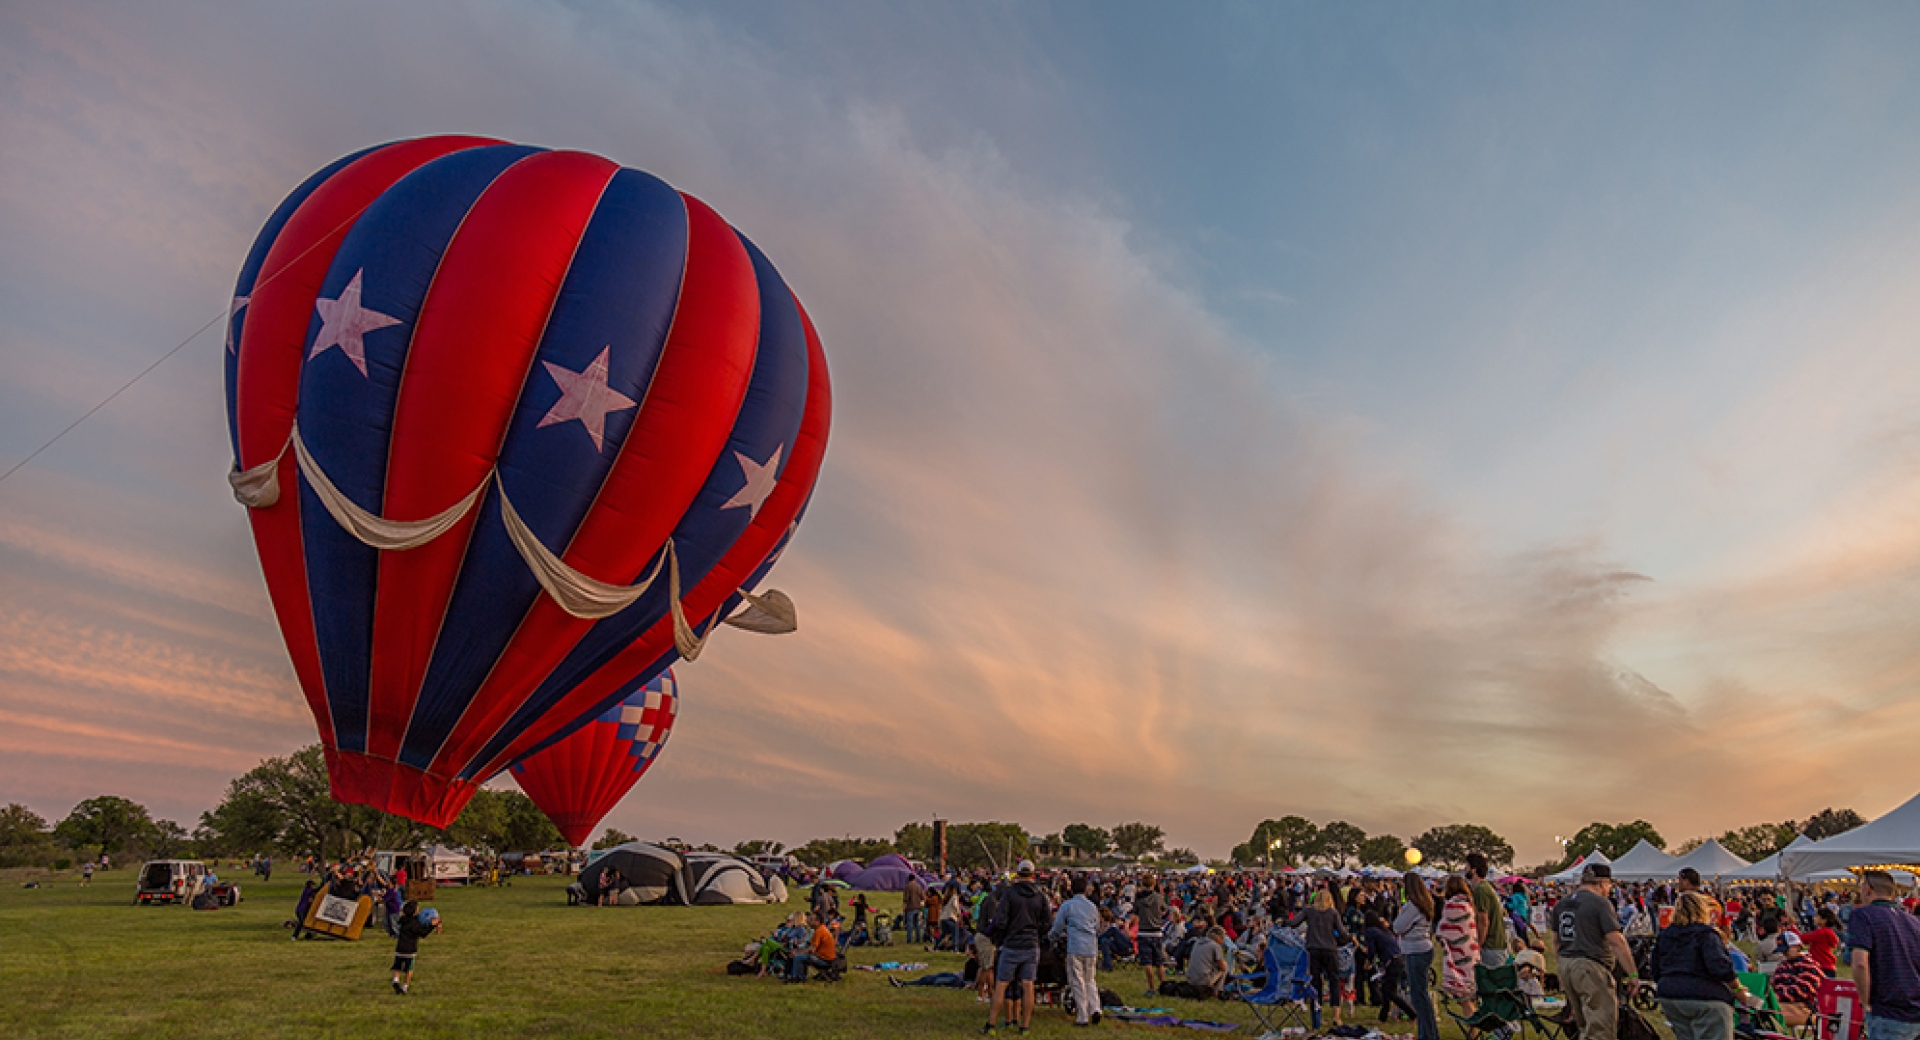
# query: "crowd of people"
[1381,944]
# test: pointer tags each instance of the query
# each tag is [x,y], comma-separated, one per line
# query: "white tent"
[1712,860]
[1768,869]
[1891,839]
[1643,862]
[1430,873]
[1571,875]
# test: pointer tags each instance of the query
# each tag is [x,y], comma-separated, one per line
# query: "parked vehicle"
[170,881]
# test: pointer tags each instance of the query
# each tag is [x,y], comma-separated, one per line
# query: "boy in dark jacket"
[412,930]
[1021,918]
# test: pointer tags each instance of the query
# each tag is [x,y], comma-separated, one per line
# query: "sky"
[1402,414]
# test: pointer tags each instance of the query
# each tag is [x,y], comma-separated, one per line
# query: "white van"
[170,881]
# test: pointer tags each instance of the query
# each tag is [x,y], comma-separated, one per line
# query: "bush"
[62,863]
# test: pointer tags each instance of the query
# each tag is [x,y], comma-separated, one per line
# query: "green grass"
[513,962]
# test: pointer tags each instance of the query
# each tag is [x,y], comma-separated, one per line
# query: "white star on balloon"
[587,397]
[239,304]
[761,477]
[343,322]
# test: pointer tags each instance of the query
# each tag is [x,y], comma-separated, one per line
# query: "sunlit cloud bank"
[1079,552]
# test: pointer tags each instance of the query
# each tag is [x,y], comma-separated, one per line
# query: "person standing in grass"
[412,930]
[1489,917]
[1151,909]
[1079,921]
[1883,946]
[912,902]
[1021,918]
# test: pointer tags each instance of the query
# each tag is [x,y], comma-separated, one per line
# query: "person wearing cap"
[1797,980]
[1018,922]
[1883,945]
[1591,949]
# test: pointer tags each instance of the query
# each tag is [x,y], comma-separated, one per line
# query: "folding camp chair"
[1764,1022]
[1501,1008]
[1287,993]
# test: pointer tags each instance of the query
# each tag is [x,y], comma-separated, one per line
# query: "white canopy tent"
[1893,839]
[1768,869]
[1643,862]
[1571,875]
[1712,860]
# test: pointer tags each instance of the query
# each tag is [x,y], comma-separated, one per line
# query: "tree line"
[1294,841]
[1751,843]
[283,806]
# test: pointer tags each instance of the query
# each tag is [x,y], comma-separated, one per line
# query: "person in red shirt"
[1823,942]
[821,952]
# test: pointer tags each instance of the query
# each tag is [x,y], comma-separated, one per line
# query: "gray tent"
[1712,860]
[1769,869]
[1643,862]
[1893,839]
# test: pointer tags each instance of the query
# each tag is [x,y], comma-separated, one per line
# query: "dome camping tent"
[653,874]
[718,879]
[1643,862]
[658,875]
[1891,840]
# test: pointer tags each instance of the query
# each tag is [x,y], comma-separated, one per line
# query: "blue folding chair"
[1287,998]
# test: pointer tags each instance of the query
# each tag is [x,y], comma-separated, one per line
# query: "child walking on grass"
[413,928]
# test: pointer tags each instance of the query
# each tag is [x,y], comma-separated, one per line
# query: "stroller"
[1642,949]
[882,934]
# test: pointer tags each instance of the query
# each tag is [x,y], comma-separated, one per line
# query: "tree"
[821,851]
[1091,840]
[1338,841]
[915,841]
[1184,857]
[286,804]
[1134,840]
[1286,841]
[1828,822]
[1760,840]
[757,847]
[992,845]
[108,824]
[1688,846]
[503,821]
[1382,850]
[1612,839]
[611,838]
[24,837]
[1450,845]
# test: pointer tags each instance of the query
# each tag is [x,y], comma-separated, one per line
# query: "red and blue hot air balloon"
[577,780]
[517,429]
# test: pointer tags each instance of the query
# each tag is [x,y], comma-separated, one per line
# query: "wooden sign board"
[339,918]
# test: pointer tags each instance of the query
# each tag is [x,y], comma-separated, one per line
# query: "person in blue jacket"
[1079,920]
[1694,973]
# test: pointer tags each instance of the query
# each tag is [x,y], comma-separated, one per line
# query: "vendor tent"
[1712,860]
[1768,869]
[1571,875]
[1891,840]
[1643,862]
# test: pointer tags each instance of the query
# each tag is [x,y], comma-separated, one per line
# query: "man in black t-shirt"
[1591,950]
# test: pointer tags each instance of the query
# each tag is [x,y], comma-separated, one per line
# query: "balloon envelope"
[516,428]
[578,780]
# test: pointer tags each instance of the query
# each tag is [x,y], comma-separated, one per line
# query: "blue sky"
[1387,412]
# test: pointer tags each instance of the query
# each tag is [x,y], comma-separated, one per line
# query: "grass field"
[512,962]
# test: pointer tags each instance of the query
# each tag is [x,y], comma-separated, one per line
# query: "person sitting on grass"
[820,953]
[412,930]
[1207,964]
